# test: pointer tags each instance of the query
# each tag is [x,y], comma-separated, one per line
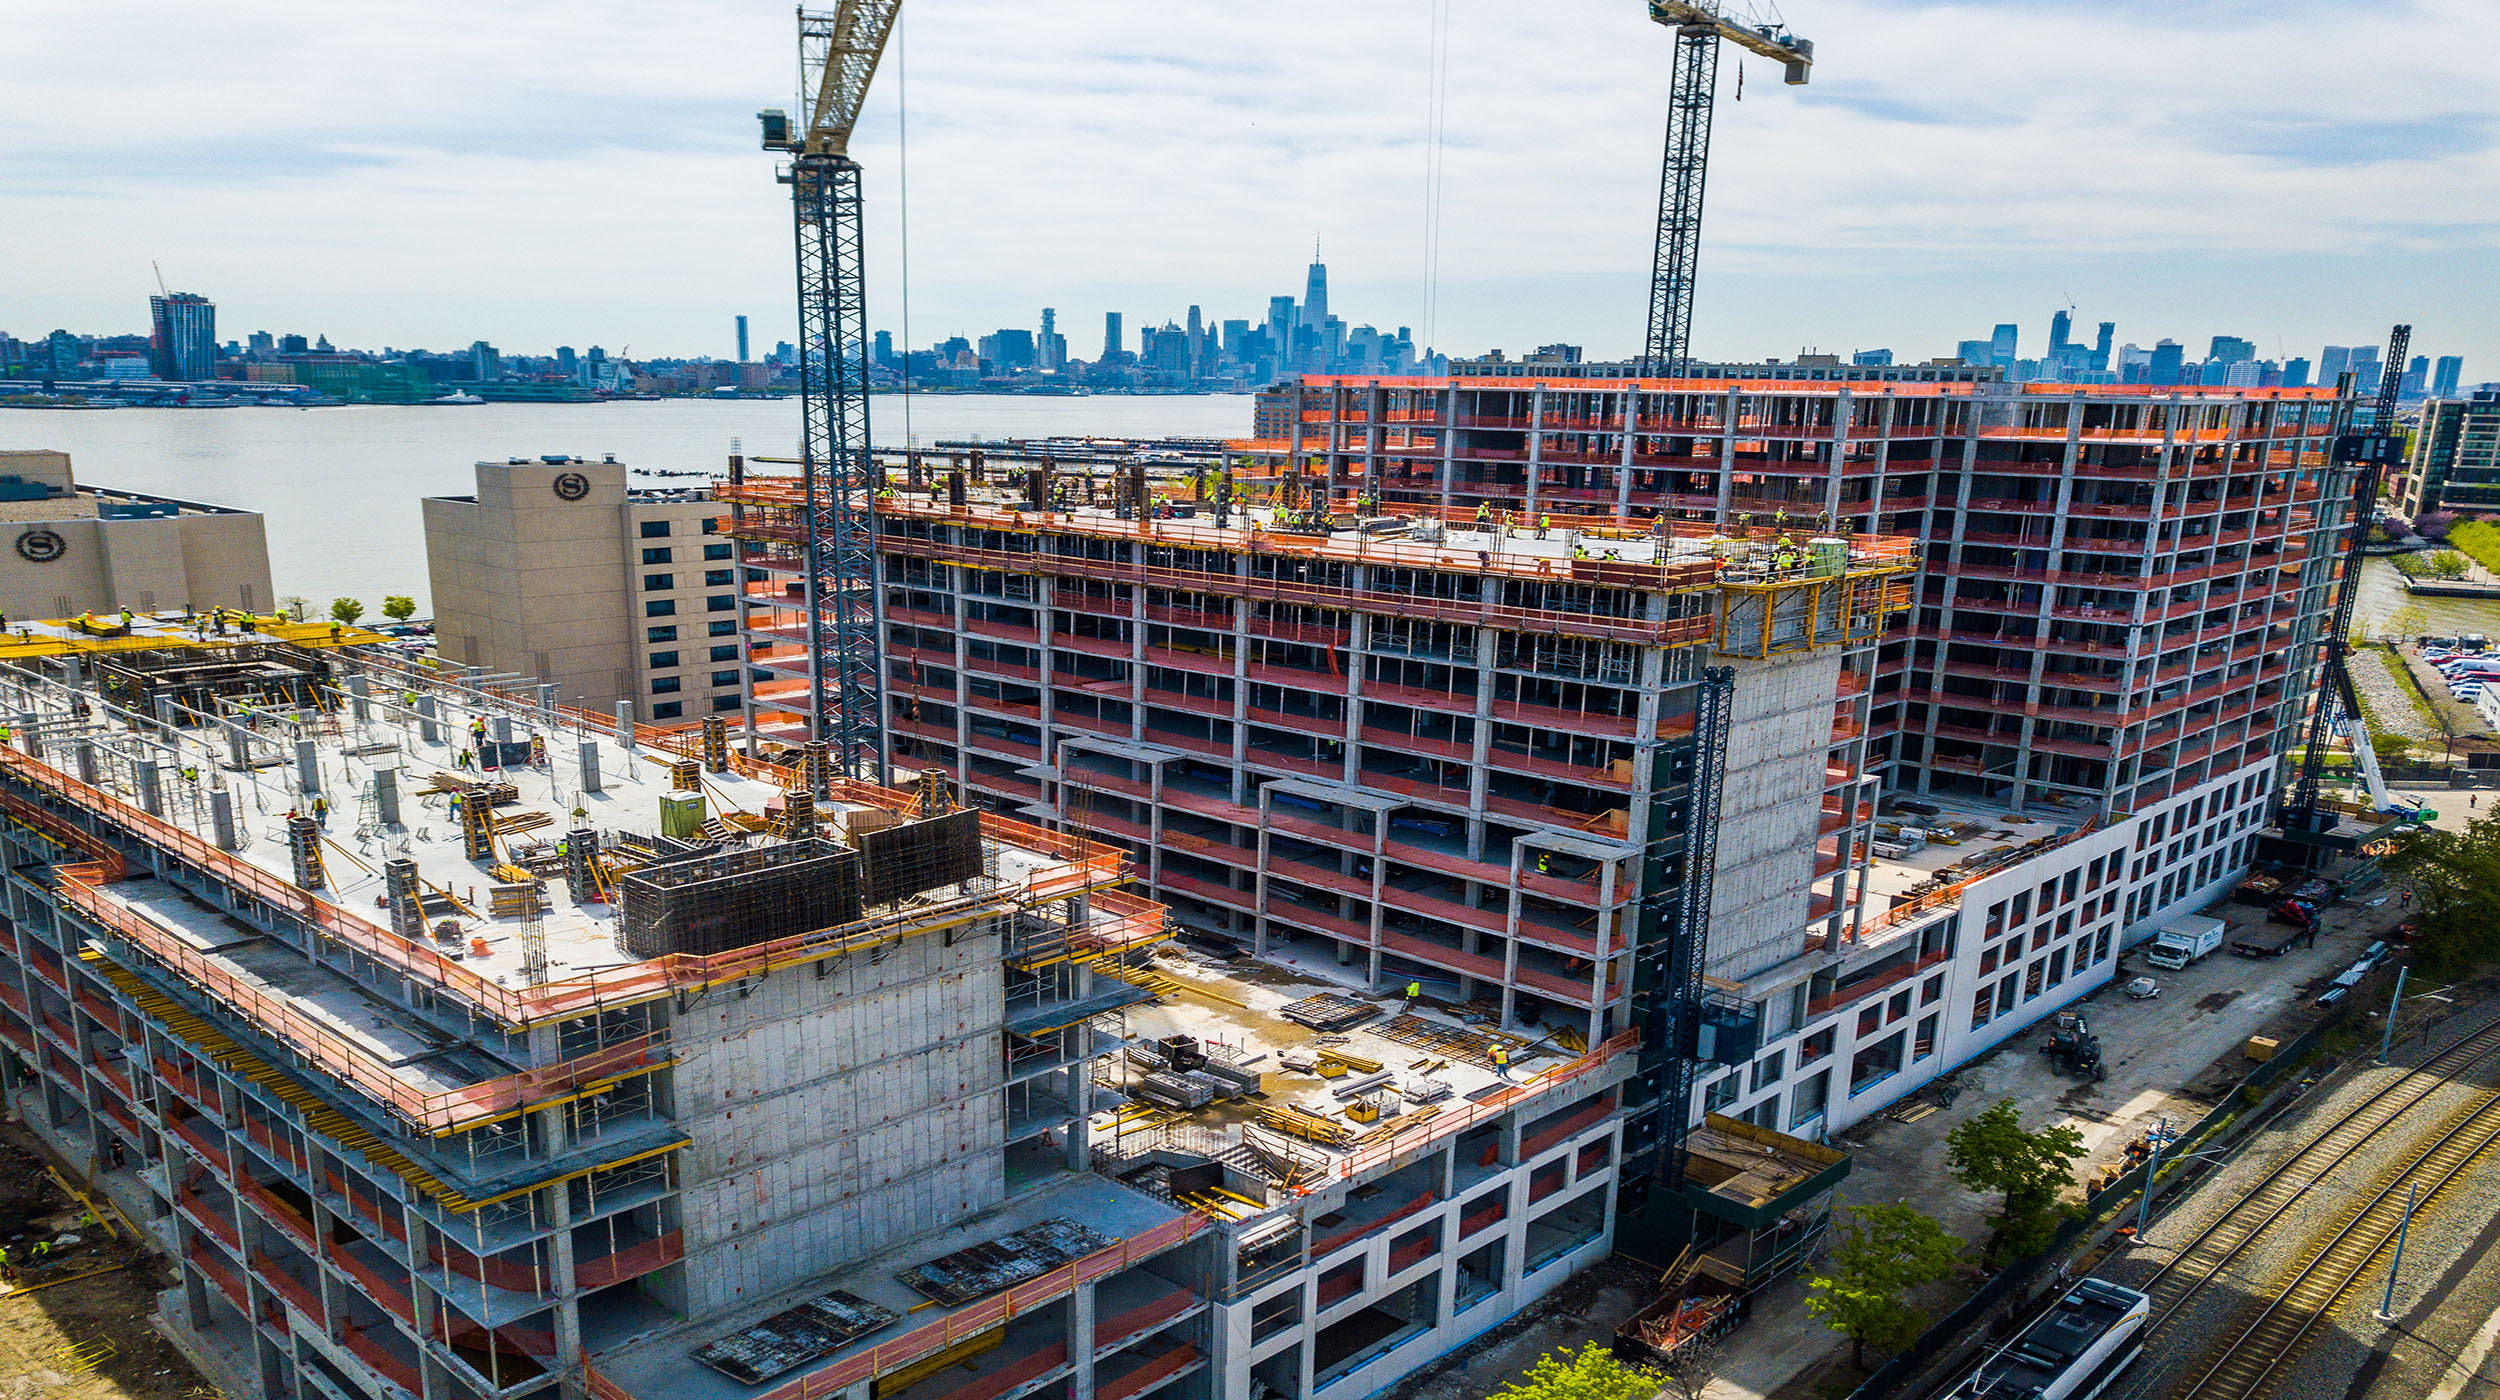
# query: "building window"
[1768,1069]
[1721,1093]
[659,634]
[1979,1004]
[665,685]
[725,653]
[724,678]
[719,602]
[723,629]
[726,702]
[2057,967]
[668,709]
[655,583]
[663,660]
[655,529]
[1933,991]
[1871,1019]
[656,556]
[716,578]
[2031,980]
[660,607]
[711,524]
[1923,1044]
[715,551]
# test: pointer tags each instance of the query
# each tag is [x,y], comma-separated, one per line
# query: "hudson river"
[340,486]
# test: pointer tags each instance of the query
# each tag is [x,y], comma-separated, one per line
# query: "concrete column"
[359,698]
[1729,406]
[1081,1342]
[86,760]
[500,729]
[308,765]
[165,713]
[221,818]
[1623,469]
[1536,448]
[385,797]
[1357,642]
[26,720]
[427,730]
[590,765]
[1449,443]
[568,1312]
[151,794]
[547,699]
[625,724]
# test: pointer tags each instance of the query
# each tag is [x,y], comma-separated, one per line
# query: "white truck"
[2183,940]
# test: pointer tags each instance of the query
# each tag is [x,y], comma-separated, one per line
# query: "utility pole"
[2387,1305]
[2387,1033]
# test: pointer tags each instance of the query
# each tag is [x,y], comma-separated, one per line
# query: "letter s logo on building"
[571,486]
[41,546]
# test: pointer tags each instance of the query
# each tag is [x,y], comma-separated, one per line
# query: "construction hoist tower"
[1693,95]
[2369,449]
[838,53]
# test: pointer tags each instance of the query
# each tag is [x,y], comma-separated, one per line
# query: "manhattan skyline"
[560,180]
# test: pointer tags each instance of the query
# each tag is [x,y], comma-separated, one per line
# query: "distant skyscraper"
[1315,292]
[1975,352]
[2231,350]
[1048,351]
[2295,373]
[2002,346]
[2417,377]
[1197,340]
[2060,326]
[568,364]
[484,362]
[742,340]
[1870,357]
[2169,356]
[2444,378]
[1111,334]
[182,342]
[2332,361]
[2365,370]
[883,350]
[262,342]
[2100,344]
[1281,331]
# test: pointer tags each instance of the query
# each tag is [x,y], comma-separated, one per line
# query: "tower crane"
[2369,448]
[1698,26]
[838,54]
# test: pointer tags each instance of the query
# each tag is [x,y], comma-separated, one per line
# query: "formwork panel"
[735,899]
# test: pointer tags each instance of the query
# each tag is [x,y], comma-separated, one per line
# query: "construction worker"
[1484,516]
[321,809]
[1544,863]
[1544,522]
[1501,1060]
[1414,993]
[5,1268]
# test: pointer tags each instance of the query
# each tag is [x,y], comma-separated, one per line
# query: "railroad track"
[2249,1363]
[2203,1259]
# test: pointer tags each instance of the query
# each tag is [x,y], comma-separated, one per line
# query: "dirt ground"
[47,1335]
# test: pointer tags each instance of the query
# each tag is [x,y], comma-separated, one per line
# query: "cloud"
[571,173]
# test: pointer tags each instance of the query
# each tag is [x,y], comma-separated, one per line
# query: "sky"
[578,174]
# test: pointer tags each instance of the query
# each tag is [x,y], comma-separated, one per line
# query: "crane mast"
[838,54]
[2369,449]
[1692,96]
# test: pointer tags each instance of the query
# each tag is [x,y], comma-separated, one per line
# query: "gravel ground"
[2338,1348]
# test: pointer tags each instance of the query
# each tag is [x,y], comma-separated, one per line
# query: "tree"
[346,609]
[1691,1370]
[2455,879]
[2434,525]
[295,606]
[398,607]
[2390,748]
[2408,621]
[1591,1373]
[1884,1253]
[1992,1152]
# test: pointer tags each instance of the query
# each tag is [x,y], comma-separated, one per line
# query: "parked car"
[2144,989]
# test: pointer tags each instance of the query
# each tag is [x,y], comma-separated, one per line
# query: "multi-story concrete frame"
[387,1163]
[557,570]
[2117,580]
[80,548]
